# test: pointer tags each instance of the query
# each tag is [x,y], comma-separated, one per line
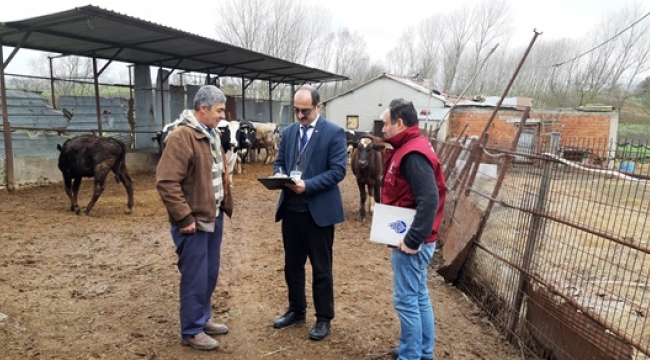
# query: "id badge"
[296,174]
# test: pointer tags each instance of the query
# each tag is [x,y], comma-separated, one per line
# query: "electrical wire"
[605,42]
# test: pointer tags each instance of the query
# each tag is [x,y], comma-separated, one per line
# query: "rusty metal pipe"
[512,80]
[97,104]
[6,126]
[52,83]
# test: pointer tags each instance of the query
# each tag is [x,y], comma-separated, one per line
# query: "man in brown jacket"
[192,183]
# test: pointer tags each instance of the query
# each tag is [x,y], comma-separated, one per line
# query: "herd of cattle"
[92,156]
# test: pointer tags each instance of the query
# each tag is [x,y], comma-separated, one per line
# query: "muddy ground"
[105,286]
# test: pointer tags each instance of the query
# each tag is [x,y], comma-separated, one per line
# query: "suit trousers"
[304,239]
[199,257]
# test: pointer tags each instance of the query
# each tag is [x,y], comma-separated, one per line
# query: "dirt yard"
[105,286]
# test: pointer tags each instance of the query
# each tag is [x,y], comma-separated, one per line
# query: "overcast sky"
[379,22]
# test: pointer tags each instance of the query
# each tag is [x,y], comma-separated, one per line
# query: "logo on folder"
[398,226]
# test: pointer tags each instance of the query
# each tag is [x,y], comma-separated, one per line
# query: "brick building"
[584,133]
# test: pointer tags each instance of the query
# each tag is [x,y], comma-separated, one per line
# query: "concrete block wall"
[42,171]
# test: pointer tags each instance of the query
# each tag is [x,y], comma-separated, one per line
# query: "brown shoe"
[201,341]
[211,328]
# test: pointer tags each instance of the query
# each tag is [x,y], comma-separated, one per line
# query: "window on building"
[352,122]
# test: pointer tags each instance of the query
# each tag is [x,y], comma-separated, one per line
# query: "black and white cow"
[228,146]
[245,137]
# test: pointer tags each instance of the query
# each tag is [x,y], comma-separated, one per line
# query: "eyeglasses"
[305,112]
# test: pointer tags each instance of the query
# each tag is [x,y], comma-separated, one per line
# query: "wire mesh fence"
[552,242]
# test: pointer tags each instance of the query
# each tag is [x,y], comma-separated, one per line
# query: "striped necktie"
[304,139]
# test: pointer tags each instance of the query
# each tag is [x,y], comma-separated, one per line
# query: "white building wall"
[370,100]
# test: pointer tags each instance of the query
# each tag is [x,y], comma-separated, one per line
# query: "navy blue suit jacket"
[324,167]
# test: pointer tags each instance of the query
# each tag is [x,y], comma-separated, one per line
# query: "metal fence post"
[534,233]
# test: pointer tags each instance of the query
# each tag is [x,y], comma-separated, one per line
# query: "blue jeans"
[411,300]
[199,257]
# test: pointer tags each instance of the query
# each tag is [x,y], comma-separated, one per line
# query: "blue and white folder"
[390,224]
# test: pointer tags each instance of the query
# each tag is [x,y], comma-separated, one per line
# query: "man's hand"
[406,249]
[191,229]
[298,187]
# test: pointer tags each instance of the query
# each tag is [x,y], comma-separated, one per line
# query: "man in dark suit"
[313,152]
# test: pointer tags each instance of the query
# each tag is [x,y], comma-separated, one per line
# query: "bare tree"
[27,84]
[446,45]
[287,29]
[397,58]
[240,23]
[74,73]
[430,37]
[403,59]
[548,85]
[458,33]
[633,58]
[346,55]
[490,26]
[602,67]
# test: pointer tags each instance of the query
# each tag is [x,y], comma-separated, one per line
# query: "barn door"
[377,126]
[526,144]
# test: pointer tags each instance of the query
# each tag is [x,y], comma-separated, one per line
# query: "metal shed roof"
[109,35]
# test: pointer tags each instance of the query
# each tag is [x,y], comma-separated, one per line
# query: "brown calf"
[367,162]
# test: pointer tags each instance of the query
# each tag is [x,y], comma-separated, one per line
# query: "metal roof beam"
[15,50]
[105,42]
[193,56]
[109,61]
[235,65]
[173,69]
[136,43]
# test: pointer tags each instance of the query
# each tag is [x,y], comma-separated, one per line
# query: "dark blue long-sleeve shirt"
[417,170]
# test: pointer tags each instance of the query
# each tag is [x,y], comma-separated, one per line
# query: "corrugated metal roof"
[109,35]
[491,101]
[401,80]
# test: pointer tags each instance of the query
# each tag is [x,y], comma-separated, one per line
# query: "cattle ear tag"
[295,174]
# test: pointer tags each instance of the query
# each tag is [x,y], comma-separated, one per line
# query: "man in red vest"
[412,178]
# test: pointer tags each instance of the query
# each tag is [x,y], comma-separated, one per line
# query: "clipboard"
[275,182]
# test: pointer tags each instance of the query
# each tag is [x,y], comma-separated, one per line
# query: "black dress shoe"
[320,330]
[288,319]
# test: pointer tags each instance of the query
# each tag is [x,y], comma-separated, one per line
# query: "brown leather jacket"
[184,179]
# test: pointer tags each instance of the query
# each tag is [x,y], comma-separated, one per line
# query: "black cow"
[367,163]
[225,138]
[93,156]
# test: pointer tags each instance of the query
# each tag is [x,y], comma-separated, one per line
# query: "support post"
[52,82]
[6,126]
[243,98]
[97,104]
[270,102]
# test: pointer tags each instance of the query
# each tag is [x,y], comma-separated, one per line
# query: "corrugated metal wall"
[115,112]
[30,109]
